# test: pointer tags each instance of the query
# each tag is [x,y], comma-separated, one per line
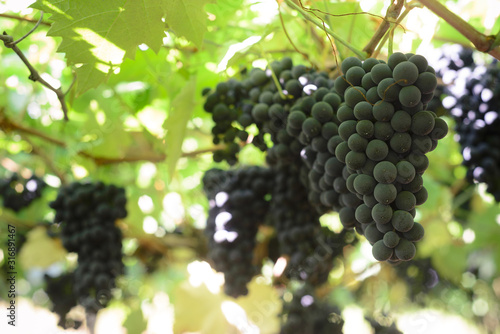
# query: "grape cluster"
[473,97]
[238,205]
[357,145]
[87,213]
[307,314]
[386,132]
[18,193]
[59,291]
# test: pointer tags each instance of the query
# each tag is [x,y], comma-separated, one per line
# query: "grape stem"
[481,42]
[25,19]
[390,16]
[315,21]
[9,43]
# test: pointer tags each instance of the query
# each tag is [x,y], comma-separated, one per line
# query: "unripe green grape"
[421,196]
[372,234]
[333,167]
[350,182]
[296,119]
[380,72]
[395,59]
[421,144]
[347,218]
[384,228]
[405,200]
[368,167]
[440,129]
[377,150]
[422,123]
[391,239]
[405,73]
[383,130]
[367,82]
[416,233]
[329,129]
[341,85]
[385,172]
[364,184]
[405,250]
[354,95]
[401,142]
[409,96]
[258,77]
[388,90]
[415,185]
[347,128]
[385,193]
[298,71]
[402,220]
[341,151]
[363,214]
[320,93]
[349,63]
[365,129]
[345,113]
[333,143]
[322,111]
[420,62]
[357,143]
[332,99]
[311,127]
[426,82]
[406,172]
[260,112]
[370,200]
[339,185]
[419,161]
[363,110]
[294,88]
[372,95]
[354,75]
[381,252]
[355,160]
[368,64]
[401,121]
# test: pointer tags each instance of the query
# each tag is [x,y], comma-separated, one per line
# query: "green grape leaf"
[180,113]
[187,18]
[135,322]
[37,239]
[97,35]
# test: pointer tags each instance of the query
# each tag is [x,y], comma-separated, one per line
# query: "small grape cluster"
[238,205]
[473,97]
[60,292]
[18,192]
[386,132]
[262,99]
[87,213]
[307,314]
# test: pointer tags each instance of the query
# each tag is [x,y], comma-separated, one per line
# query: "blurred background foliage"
[127,132]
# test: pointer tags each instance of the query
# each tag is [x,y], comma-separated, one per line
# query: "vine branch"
[481,42]
[9,43]
[316,22]
[6,125]
[391,15]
